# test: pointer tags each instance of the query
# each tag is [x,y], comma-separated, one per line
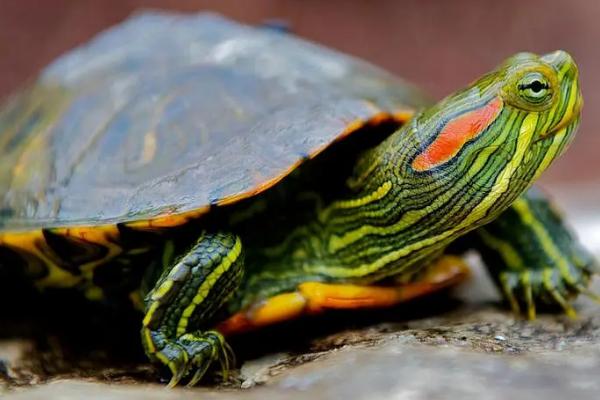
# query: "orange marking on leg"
[456,133]
[316,297]
[322,296]
[283,307]
[278,308]
[445,272]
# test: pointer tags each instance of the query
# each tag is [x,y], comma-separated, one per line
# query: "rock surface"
[465,346]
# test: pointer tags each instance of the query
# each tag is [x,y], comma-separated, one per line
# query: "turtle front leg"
[184,298]
[534,258]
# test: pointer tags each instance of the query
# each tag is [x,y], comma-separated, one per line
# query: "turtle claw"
[229,357]
[177,376]
[194,353]
[199,374]
[224,361]
[588,293]
[526,290]
[176,359]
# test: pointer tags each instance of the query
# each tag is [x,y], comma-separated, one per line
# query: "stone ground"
[463,345]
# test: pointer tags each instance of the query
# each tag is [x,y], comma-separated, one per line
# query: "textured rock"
[535,362]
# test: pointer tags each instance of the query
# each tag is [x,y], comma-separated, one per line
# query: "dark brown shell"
[166,114]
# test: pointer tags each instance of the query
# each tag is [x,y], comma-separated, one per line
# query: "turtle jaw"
[563,132]
[570,103]
[565,129]
[562,117]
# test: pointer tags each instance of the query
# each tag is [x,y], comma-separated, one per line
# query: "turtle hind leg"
[316,297]
[186,295]
[534,258]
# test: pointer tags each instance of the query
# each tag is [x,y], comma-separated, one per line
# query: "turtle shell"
[165,115]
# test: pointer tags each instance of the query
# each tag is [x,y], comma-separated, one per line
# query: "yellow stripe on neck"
[377,195]
[501,184]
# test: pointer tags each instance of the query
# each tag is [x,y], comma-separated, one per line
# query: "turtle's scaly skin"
[534,257]
[116,201]
[449,170]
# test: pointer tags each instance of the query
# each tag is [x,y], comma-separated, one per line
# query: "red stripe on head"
[456,133]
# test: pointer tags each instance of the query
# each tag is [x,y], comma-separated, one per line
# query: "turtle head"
[460,163]
[527,110]
[545,91]
[498,134]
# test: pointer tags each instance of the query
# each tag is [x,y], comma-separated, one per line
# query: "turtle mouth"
[560,130]
[570,119]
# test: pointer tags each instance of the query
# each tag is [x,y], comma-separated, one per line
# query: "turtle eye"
[535,88]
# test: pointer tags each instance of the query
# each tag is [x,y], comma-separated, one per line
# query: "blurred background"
[439,45]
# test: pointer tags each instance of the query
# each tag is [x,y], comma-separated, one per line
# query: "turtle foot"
[192,354]
[546,287]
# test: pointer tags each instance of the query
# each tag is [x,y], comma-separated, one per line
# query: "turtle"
[221,178]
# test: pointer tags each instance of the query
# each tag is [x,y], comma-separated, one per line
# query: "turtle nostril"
[558,56]
[559,60]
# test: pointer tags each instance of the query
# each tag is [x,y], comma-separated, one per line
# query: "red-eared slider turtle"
[224,178]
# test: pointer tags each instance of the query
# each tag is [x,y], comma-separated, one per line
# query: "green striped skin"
[188,292]
[533,256]
[395,219]
[385,216]
[197,185]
